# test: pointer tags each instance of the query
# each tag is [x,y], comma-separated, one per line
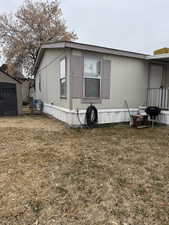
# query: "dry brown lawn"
[52,175]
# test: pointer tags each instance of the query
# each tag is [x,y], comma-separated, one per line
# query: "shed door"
[156,76]
[8,100]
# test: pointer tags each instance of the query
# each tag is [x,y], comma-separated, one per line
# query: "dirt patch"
[54,175]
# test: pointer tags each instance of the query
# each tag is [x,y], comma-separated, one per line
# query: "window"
[40,82]
[92,78]
[63,78]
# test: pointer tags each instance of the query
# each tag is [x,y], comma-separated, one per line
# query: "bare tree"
[22,33]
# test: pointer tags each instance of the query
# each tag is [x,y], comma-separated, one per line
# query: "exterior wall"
[50,78]
[166,81]
[129,80]
[156,75]
[28,90]
[5,78]
[25,90]
[32,93]
[19,98]
[159,75]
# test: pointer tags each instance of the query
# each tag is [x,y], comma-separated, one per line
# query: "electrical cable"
[91,117]
[52,61]
[79,119]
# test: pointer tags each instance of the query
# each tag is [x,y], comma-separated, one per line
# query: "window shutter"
[77,68]
[105,82]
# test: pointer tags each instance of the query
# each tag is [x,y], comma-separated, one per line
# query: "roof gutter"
[158,57]
[84,47]
[104,50]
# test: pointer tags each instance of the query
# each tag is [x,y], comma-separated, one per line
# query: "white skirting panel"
[104,115]
[164,117]
[58,113]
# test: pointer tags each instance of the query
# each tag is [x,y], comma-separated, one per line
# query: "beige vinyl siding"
[49,70]
[159,75]
[156,75]
[166,79]
[129,80]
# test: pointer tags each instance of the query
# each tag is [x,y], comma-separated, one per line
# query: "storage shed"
[10,95]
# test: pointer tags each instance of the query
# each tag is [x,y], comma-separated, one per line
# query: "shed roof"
[5,73]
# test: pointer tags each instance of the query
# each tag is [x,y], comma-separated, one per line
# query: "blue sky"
[135,25]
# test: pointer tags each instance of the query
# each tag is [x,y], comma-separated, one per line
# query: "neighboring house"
[27,86]
[27,89]
[27,83]
[10,95]
[31,89]
[70,76]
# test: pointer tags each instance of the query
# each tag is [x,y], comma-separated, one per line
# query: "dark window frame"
[88,76]
[63,78]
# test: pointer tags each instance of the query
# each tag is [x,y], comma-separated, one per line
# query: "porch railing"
[158,97]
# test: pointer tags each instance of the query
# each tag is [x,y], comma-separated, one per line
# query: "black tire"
[91,116]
